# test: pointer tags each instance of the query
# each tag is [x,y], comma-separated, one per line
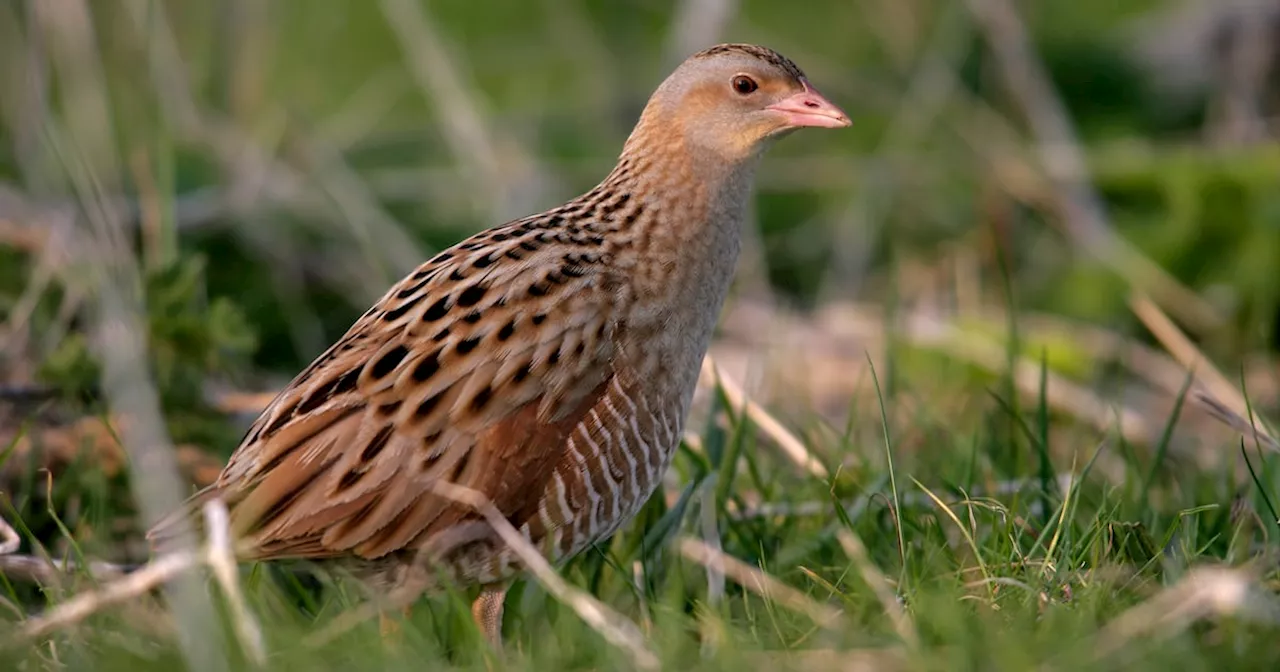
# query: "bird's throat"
[682,253]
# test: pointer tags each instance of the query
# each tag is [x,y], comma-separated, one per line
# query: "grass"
[1014,576]
[945,430]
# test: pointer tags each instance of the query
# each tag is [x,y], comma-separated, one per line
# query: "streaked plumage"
[547,363]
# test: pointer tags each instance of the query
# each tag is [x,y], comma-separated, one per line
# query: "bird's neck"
[694,204]
[698,198]
[680,251]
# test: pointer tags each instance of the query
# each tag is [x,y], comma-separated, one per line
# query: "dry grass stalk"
[218,555]
[44,570]
[698,23]
[489,157]
[247,403]
[260,176]
[1204,592]
[130,587]
[791,446]
[84,146]
[710,530]
[879,584]
[1061,394]
[612,626]
[758,582]
[829,660]
[1222,395]
[221,557]
[9,539]
[1234,421]
[1064,164]
[844,331]
[638,583]
[1064,395]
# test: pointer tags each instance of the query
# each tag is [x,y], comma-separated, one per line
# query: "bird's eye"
[744,84]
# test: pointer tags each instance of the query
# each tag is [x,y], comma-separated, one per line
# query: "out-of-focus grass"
[251,174]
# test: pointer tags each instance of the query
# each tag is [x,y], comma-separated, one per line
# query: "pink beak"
[810,108]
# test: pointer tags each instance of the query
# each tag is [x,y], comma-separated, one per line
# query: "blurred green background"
[248,175]
[315,154]
[312,155]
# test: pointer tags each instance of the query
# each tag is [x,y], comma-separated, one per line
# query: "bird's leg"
[487,612]
[389,627]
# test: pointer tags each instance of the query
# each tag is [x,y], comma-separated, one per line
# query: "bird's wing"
[472,370]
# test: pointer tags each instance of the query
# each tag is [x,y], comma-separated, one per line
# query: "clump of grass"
[1023,577]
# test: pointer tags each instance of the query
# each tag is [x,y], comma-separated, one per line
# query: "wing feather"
[471,378]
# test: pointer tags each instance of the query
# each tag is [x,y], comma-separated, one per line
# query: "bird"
[547,363]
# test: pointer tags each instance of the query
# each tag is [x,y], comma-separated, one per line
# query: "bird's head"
[732,99]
